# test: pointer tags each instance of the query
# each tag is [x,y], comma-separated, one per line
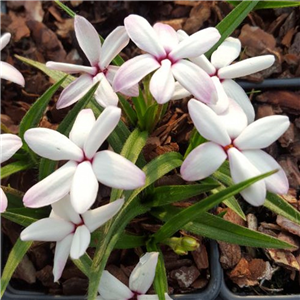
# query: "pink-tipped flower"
[85,166]
[166,55]
[230,138]
[100,58]
[7,71]
[10,144]
[70,231]
[140,280]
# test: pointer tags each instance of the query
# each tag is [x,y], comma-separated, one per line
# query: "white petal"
[105,95]
[10,144]
[166,35]
[204,64]
[143,274]
[196,44]
[276,183]
[116,171]
[235,92]
[162,83]
[3,201]
[195,80]
[202,161]
[112,46]
[95,218]
[133,70]
[84,187]
[70,68]
[247,67]
[241,169]
[82,126]
[110,288]
[208,123]
[180,92]
[47,230]
[62,251]
[4,40]
[143,35]
[103,127]
[88,39]
[152,297]
[81,241]
[262,133]
[51,144]
[10,73]
[226,53]
[181,35]
[52,188]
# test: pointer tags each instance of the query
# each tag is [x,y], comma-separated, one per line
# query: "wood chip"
[283,258]
[185,276]
[288,225]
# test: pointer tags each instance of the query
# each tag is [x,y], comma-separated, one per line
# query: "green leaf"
[270,4]
[84,264]
[128,110]
[14,197]
[69,11]
[129,241]
[15,167]
[16,255]
[140,108]
[195,140]
[16,215]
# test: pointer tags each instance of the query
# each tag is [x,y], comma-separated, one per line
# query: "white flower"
[7,71]
[166,55]
[230,137]
[70,231]
[140,280]
[85,166]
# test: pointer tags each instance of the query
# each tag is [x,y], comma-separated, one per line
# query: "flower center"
[168,57]
[226,148]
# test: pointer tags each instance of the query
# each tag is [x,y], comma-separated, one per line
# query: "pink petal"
[10,73]
[103,127]
[10,144]
[116,171]
[95,218]
[180,92]
[208,123]
[4,40]
[52,188]
[112,46]
[167,36]
[241,169]
[195,80]
[262,133]
[226,53]
[143,35]
[204,64]
[105,95]
[88,39]
[3,201]
[202,161]
[51,144]
[81,241]
[133,70]
[276,183]
[247,67]
[70,68]
[162,83]
[84,188]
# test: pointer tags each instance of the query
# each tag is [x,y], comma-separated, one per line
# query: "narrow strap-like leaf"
[15,167]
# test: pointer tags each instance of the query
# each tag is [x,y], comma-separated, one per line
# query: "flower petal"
[143,274]
[195,80]
[82,126]
[10,144]
[52,188]
[84,187]
[133,70]
[247,67]
[235,92]
[208,123]
[3,201]
[105,95]
[47,230]
[202,161]
[111,288]
[276,183]
[226,53]
[116,171]
[70,68]
[74,91]
[143,35]
[81,241]
[241,169]
[4,40]
[162,83]
[51,144]
[204,64]
[112,46]
[10,73]
[102,128]
[152,297]
[95,218]
[262,133]
[62,251]
[167,36]
[88,39]
[180,92]
[196,44]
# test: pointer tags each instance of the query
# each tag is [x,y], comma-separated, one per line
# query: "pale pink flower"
[230,138]
[85,166]
[7,71]
[166,55]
